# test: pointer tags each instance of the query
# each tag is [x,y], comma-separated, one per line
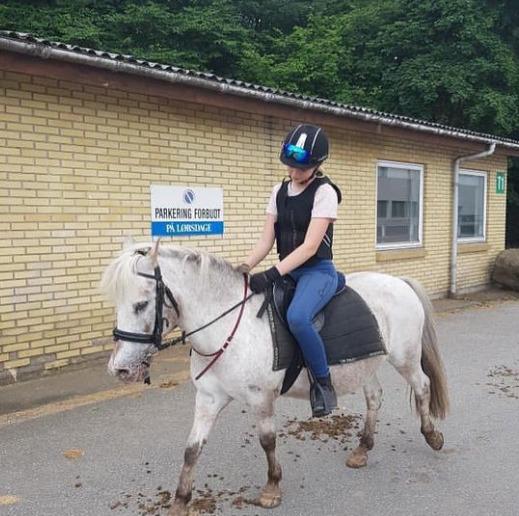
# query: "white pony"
[199,288]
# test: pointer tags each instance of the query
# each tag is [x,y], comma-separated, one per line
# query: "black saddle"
[346,324]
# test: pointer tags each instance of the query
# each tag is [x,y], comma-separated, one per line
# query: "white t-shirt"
[325,201]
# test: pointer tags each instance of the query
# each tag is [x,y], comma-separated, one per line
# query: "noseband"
[155,338]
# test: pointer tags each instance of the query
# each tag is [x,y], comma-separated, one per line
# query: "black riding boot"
[322,397]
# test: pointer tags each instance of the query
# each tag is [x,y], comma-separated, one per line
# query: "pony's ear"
[154,253]
[128,242]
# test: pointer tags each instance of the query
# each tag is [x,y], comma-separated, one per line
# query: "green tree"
[450,65]
[201,35]
[62,20]
[442,60]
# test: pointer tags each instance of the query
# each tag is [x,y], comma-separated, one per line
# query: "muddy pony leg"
[420,384]
[207,408]
[373,393]
[271,494]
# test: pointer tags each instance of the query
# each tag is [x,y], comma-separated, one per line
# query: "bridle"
[155,338]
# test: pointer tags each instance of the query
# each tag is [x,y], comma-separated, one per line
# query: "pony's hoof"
[270,497]
[180,510]
[358,458]
[435,440]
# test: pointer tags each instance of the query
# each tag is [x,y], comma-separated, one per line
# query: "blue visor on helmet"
[298,154]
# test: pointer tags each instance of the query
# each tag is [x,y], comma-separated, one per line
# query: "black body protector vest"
[294,215]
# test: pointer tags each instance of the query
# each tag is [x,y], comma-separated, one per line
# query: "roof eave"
[229,87]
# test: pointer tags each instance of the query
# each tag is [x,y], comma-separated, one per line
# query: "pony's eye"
[139,307]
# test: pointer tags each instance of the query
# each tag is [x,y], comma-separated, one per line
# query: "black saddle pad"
[350,333]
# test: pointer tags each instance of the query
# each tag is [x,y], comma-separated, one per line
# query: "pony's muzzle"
[122,374]
[132,373]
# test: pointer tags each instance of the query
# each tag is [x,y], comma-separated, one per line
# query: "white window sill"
[390,247]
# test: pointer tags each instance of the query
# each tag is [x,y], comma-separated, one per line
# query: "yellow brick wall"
[76,163]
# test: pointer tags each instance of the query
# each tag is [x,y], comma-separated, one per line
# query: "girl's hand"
[261,281]
[243,268]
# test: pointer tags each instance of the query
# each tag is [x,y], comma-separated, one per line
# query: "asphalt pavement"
[119,452]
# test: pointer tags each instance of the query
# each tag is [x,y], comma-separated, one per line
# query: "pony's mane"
[120,273]
[204,260]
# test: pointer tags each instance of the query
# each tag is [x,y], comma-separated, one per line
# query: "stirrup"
[322,398]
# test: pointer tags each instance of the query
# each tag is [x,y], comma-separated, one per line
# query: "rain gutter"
[455,197]
[224,86]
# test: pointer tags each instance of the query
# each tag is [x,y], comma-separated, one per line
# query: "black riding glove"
[261,281]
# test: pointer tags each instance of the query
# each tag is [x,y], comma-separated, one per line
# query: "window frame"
[480,173]
[407,166]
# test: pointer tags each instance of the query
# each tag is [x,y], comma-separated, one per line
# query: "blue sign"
[186,228]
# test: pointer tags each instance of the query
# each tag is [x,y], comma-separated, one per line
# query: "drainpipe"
[455,185]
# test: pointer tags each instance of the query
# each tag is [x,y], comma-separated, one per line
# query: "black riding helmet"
[304,147]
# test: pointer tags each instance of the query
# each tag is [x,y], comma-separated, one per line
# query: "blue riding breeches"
[315,286]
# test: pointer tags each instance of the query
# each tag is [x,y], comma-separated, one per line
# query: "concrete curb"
[80,401]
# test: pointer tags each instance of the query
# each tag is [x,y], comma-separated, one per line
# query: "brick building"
[84,133]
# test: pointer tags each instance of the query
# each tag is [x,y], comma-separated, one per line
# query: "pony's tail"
[432,363]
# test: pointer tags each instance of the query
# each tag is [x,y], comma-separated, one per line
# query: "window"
[399,202]
[471,205]
[382,208]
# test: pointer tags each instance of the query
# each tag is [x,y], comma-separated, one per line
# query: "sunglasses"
[297,153]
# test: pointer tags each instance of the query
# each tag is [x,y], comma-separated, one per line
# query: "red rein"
[228,340]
